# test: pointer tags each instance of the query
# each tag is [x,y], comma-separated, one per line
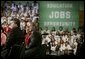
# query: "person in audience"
[34,46]
[3,19]
[68,48]
[13,7]
[73,31]
[57,37]
[46,31]
[35,18]
[3,38]
[64,37]
[62,46]
[66,30]
[15,37]
[60,30]
[27,36]
[22,24]
[35,6]
[53,44]
[53,31]
[75,45]
[74,37]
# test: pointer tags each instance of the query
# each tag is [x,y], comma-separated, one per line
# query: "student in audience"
[60,30]
[57,37]
[53,31]
[75,45]
[35,18]
[68,48]
[46,31]
[66,30]
[62,46]
[13,7]
[3,38]
[69,38]
[53,44]
[3,19]
[74,37]
[73,31]
[35,6]
[6,27]
[22,24]
[65,48]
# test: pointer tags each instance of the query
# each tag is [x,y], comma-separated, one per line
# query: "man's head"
[46,28]
[15,23]
[60,28]
[30,26]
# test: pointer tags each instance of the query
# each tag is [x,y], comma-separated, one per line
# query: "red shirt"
[27,39]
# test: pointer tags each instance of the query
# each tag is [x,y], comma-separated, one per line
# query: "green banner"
[59,13]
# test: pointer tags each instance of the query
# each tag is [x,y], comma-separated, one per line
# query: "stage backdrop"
[59,13]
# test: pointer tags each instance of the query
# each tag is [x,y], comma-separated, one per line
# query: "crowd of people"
[20,27]
[62,41]
[26,13]
[19,24]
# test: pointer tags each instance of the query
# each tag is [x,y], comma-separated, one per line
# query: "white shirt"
[27,9]
[13,15]
[63,47]
[57,38]
[53,48]
[25,14]
[37,5]
[65,38]
[34,18]
[35,11]
[75,43]
[48,31]
[78,36]
[72,33]
[68,47]
[9,20]
[47,38]
[60,31]
[22,14]
[44,41]
[3,19]
[75,49]
[13,8]
[23,18]
[18,16]
[54,32]
[22,8]
[22,25]
[73,38]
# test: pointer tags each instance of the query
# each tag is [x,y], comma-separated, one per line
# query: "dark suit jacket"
[34,45]
[35,40]
[13,44]
[16,36]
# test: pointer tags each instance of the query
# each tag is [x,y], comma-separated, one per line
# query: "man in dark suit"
[34,47]
[14,39]
[16,36]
